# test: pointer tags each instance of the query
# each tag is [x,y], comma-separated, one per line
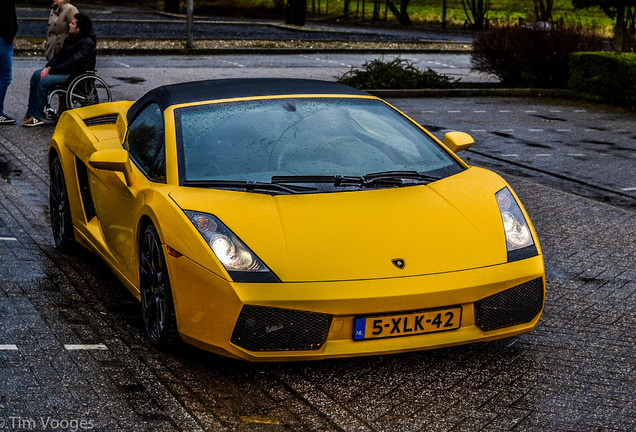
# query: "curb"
[33,46]
[477,92]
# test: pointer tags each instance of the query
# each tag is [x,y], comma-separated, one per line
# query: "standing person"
[77,55]
[62,13]
[8,29]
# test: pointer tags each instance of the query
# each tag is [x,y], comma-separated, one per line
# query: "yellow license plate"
[408,323]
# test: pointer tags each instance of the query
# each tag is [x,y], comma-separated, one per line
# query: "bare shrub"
[535,56]
[394,74]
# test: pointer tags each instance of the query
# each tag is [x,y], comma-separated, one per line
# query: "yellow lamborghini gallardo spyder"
[282,219]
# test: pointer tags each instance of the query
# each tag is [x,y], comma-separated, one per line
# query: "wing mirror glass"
[113,160]
[458,141]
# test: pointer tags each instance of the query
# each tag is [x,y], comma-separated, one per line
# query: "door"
[117,204]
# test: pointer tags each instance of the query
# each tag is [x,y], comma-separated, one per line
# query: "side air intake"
[101,120]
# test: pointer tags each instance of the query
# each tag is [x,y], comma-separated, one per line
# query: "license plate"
[408,323]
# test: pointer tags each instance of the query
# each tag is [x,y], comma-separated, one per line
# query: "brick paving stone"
[41,380]
[575,372]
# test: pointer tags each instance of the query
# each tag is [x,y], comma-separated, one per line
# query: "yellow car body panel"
[206,319]
[448,225]
[345,255]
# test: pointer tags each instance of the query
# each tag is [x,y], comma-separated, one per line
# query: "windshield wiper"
[336,180]
[303,179]
[397,175]
[249,185]
[394,178]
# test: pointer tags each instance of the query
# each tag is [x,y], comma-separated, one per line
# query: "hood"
[449,225]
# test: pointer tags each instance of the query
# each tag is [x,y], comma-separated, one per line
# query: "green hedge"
[609,75]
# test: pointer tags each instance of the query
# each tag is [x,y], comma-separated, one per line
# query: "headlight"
[235,256]
[518,235]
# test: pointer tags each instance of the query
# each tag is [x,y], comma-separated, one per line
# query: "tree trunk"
[619,29]
[401,15]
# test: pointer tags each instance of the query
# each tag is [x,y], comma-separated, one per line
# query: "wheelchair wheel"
[56,103]
[87,90]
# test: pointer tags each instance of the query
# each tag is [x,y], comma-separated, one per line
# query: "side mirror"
[458,141]
[113,160]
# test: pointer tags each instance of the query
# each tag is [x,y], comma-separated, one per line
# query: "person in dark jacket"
[78,54]
[8,29]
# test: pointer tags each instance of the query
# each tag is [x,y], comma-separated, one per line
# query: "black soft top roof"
[199,91]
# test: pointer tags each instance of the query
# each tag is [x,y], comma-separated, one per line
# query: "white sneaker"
[32,122]
[5,119]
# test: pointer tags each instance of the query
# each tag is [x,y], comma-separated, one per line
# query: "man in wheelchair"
[78,54]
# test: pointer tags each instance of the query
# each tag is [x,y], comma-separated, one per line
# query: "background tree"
[476,11]
[401,15]
[616,9]
[543,10]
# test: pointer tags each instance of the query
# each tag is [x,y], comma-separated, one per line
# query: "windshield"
[296,138]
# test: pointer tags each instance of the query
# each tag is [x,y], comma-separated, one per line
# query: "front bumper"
[316,320]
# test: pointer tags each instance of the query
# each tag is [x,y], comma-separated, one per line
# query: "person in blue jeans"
[8,29]
[78,54]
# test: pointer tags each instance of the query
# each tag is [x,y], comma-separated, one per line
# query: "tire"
[61,222]
[157,306]
[87,90]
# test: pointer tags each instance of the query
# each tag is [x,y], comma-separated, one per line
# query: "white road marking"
[543,155]
[531,111]
[453,111]
[8,347]
[576,154]
[232,63]
[75,347]
[122,64]
[555,111]
[629,189]
[580,111]
[507,130]
[478,130]
[535,130]
[510,155]
[8,239]
[504,111]
[326,61]
[428,112]
[479,111]
[440,64]
[564,130]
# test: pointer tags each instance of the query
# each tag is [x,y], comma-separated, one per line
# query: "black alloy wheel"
[157,307]
[61,223]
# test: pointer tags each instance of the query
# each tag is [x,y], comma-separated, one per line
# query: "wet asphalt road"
[72,353]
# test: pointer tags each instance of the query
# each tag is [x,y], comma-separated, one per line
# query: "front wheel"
[61,222]
[157,306]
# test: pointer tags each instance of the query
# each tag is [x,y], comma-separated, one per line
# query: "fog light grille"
[514,306]
[260,328]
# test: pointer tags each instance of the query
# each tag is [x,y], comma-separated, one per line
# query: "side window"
[145,142]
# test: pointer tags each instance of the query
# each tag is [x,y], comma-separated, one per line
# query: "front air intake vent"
[514,306]
[260,328]
[101,120]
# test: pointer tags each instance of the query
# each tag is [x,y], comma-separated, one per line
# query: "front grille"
[514,306]
[260,328]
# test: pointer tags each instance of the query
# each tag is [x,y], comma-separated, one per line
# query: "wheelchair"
[78,91]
